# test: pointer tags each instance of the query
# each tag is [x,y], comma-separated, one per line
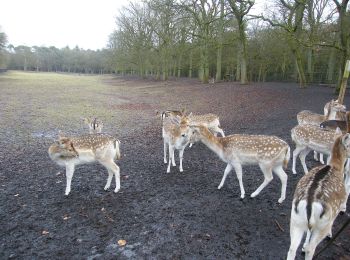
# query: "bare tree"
[240,9]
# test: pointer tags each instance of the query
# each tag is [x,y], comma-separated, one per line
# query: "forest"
[304,41]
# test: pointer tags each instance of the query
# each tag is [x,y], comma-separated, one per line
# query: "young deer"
[209,120]
[308,138]
[71,151]
[176,135]
[95,125]
[269,152]
[319,197]
[331,111]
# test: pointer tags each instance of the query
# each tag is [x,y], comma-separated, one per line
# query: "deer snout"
[183,135]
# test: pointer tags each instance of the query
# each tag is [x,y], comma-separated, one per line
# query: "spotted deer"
[319,196]
[339,115]
[269,152]
[95,125]
[307,117]
[332,109]
[176,135]
[308,138]
[209,120]
[71,151]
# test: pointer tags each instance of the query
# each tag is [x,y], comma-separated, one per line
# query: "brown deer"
[319,196]
[71,151]
[269,152]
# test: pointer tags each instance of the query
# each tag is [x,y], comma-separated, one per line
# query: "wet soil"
[160,215]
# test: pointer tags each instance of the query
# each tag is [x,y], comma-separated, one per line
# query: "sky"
[86,23]
[83,23]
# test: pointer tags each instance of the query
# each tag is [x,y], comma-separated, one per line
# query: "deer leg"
[181,155]
[69,176]
[296,152]
[112,167]
[227,171]
[165,160]
[321,158]
[171,154]
[302,157]
[316,237]
[238,170]
[173,157]
[307,240]
[109,180]
[296,234]
[267,171]
[283,177]
[316,157]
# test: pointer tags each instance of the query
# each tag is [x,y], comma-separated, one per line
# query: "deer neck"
[331,114]
[211,141]
[338,157]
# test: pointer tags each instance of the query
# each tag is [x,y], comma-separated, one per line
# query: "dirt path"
[161,216]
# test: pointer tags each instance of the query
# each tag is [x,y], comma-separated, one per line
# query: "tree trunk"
[220,42]
[243,53]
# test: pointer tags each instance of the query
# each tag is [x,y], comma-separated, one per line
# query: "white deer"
[71,151]
[331,111]
[319,196]
[269,152]
[308,138]
[95,125]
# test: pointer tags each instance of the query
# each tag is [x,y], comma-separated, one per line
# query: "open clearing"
[160,215]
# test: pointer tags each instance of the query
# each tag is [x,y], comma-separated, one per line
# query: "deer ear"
[86,120]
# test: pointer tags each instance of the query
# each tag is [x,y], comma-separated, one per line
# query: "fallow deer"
[308,138]
[209,120]
[269,152]
[176,135]
[310,118]
[340,115]
[95,125]
[331,112]
[319,196]
[71,151]
[333,124]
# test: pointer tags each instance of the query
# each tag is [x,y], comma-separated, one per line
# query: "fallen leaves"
[121,242]
[66,217]
[45,232]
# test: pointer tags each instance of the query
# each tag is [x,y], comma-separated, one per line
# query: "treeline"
[74,60]
[301,40]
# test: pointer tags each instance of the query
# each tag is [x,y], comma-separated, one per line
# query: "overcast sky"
[86,23]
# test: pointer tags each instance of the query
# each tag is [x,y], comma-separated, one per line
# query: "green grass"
[32,102]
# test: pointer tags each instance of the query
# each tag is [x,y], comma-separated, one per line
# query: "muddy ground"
[159,215]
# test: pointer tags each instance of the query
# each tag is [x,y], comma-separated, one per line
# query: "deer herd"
[318,198]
